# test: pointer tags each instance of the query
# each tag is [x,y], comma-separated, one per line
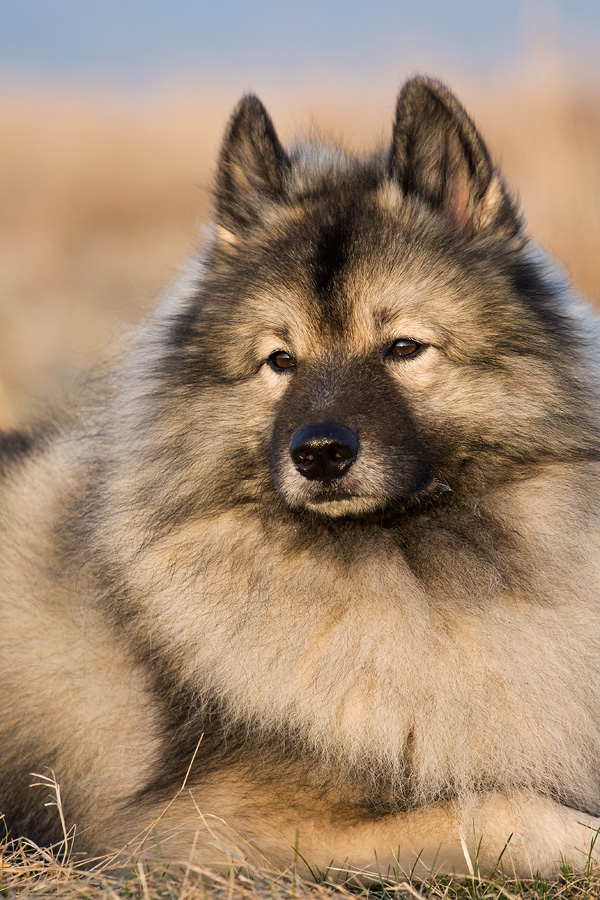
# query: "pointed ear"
[252,168]
[438,155]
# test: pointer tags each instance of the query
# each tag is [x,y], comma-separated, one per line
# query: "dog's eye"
[279,360]
[404,347]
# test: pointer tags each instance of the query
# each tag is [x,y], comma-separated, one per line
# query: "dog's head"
[374,334]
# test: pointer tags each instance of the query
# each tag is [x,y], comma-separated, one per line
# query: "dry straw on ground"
[29,872]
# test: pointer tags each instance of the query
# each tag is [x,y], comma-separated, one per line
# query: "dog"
[314,577]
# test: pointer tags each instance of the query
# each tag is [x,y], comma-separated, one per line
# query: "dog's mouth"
[334,502]
[331,496]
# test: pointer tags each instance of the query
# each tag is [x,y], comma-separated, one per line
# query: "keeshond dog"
[317,576]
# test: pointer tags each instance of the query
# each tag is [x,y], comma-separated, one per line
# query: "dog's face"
[376,335]
[360,351]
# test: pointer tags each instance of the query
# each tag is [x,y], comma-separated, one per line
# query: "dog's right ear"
[252,168]
[438,155]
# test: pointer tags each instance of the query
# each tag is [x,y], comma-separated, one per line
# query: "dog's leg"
[521,832]
[524,834]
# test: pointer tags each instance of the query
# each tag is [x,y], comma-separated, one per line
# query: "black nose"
[324,451]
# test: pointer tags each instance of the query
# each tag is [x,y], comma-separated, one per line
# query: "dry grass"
[101,199]
[29,872]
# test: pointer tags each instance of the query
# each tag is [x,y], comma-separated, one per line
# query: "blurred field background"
[105,174]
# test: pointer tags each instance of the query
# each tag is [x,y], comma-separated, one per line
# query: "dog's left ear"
[438,155]
[251,171]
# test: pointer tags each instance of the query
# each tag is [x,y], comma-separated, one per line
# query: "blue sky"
[135,42]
